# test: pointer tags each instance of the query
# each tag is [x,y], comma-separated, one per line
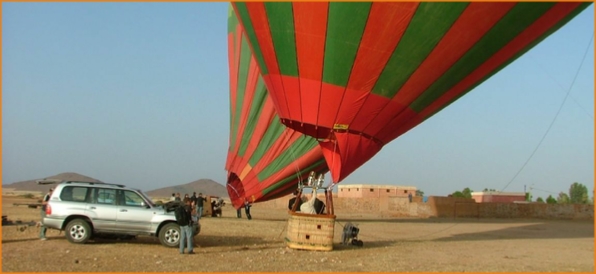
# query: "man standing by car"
[184,220]
[44,202]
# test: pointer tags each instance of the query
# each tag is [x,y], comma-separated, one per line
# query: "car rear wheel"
[78,231]
[169,235]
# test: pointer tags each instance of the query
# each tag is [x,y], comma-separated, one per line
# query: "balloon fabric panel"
[376,70]
[265,158]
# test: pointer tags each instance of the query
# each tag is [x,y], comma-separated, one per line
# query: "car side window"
[106,196]
[131,198]
[74,194]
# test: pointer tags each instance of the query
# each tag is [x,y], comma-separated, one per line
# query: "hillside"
[205,186]
[31,185]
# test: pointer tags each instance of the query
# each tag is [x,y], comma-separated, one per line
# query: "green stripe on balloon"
[430,22]
[274,131]
[556,27]
[346,24]
[250,32]
[283,36]
[259,99]
[245,55]
[510,26]
[294,151]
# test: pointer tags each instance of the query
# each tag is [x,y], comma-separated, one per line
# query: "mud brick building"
[374,191]
[498,197]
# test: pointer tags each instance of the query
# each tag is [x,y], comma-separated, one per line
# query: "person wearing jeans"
[184,219]
[186,233]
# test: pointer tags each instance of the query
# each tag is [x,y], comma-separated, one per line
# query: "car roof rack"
[48,181]
[94,183]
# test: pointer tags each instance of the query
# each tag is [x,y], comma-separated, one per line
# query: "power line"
[555,118]
[562,88]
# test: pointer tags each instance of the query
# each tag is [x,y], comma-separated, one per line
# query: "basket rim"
[323,216]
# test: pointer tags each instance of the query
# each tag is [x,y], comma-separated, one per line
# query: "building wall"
[349,193]
[448,207]
[481,197]
[374,191]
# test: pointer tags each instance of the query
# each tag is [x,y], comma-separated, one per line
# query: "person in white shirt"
[308,205]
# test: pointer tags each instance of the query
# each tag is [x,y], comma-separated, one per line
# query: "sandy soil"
[390,245]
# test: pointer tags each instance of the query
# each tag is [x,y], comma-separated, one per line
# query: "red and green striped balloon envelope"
[358,75]
[265,158]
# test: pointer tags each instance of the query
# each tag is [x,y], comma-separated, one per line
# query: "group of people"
[196,202]
[311,206]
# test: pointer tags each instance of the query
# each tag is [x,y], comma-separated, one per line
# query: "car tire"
[169,235]
[78,231]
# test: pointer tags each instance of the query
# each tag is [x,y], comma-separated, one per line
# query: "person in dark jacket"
[184,220]
[200,201]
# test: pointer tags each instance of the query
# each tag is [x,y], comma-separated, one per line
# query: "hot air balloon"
[358,75]
[265,159]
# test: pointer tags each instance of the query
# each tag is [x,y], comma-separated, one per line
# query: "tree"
[528,197]
[467,192]
[539,200]
[563,198]
[551,200]
[419,192]
[578,193]
[458,194]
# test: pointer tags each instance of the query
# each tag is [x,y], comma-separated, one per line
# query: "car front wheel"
[78,231]
[169,235]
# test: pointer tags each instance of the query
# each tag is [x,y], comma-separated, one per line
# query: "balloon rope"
[554,119]
[293,154]
[541,66]
[237,194]
[330,187]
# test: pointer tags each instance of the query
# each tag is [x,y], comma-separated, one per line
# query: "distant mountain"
[31,185]
[205,186]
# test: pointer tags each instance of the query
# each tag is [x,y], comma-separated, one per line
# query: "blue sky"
[137,93]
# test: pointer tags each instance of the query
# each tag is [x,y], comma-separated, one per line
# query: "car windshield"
[146,197]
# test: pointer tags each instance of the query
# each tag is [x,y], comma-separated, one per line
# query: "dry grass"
[395,245]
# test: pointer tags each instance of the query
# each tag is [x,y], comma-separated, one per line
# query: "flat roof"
[378,186]
[498,193]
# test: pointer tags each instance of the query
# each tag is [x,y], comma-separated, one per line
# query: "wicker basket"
[310,231]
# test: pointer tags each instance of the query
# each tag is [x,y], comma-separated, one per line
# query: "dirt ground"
[390,245]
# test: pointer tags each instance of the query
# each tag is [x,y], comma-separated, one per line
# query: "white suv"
[84,209]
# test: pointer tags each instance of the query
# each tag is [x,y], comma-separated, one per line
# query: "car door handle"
[92,207]
[123,210]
